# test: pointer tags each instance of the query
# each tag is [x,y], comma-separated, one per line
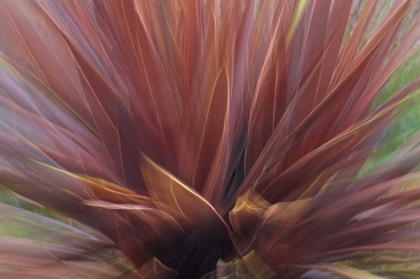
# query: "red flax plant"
[206,138]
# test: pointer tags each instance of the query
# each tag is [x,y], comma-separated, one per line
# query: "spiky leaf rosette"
[187,137]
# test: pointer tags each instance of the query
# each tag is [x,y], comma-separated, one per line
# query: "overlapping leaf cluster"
[226,138]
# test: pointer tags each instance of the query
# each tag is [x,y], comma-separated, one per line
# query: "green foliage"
[407,122]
